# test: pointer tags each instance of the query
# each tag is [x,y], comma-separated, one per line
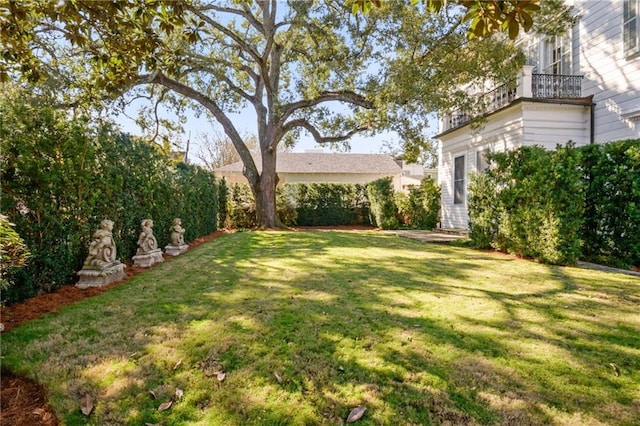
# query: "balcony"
[528,85]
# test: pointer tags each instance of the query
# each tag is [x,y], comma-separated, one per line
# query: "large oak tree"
[302,66]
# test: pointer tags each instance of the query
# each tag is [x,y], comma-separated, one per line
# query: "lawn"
[289,328]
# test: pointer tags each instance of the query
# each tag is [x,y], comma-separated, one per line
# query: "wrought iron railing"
[499,97]
[542,86]
[556,86]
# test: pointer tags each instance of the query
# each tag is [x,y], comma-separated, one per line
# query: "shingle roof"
[314,162]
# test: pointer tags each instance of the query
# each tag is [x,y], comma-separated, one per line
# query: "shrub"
[484,215]
[530,203]
[14,253]
[286,205]
[611,229]
[383,208]
[323,204]
[422,206]
[62,176]
[223,196]
[242,207]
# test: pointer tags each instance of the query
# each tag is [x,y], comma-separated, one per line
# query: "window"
[481,161]
[531,53]
[458,180]
[630,30]
[557,55]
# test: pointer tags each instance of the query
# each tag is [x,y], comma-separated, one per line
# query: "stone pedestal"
[175,249]
[145,260]
[101,277]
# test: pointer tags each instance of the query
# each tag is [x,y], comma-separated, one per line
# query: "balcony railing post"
[524,82]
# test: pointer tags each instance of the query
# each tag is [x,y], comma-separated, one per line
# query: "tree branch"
[339,96]
[245,13]
[232,35]
[304,123]
[251,172]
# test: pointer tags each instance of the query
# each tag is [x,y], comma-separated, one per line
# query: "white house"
[582,87]
[320,167]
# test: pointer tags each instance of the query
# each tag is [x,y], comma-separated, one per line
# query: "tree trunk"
[265,193]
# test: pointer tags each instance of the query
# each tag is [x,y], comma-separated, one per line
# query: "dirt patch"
[23,402]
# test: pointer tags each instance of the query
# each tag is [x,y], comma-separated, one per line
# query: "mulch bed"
[23,402]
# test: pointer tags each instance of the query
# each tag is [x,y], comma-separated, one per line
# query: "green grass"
[419,333]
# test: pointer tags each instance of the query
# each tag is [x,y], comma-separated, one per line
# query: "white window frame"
[556,55]
[631,28]
[459,180]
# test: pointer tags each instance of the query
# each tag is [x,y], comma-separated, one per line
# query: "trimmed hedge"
[559,206]
[530,203]
[331,204]
[421,208]
[313,204]
[61,177]
[384,212]
[327,204]
[611,228]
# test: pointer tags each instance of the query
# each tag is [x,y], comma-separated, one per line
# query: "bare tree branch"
[251,171]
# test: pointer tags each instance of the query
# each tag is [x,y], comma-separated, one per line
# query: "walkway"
[428,236]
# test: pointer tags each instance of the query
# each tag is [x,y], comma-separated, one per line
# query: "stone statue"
[147,241]
[148,252]
[101,266]
[176,245]
[102,250]
[177,232]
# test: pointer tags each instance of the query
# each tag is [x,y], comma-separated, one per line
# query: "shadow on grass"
[306,326]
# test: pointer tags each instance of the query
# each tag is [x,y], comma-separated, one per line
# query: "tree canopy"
[313,67]
[485,16]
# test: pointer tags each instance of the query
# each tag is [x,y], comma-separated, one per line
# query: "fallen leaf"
[153,394]
[221,375]
[356,414]
[616,370]
[179,393]
[278,377]
[86,405]
[175,367]
[165,406]
[150,424]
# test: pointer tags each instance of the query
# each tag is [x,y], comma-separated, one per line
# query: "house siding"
[612,81]
[361,178]
[522,124]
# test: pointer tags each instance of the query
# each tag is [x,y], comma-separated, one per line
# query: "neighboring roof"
[314,162]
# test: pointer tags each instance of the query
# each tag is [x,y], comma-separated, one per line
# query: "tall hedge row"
[313,204]
[326,204]
[559,206]
[421,207]
[384,212]
[61,177]
[611,228]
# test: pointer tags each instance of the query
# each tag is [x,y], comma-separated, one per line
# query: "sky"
[245,123]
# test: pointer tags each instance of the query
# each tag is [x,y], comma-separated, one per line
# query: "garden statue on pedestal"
[148,252]
[177,245]
[101,267]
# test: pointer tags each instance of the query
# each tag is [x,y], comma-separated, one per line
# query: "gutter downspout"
[592,127]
